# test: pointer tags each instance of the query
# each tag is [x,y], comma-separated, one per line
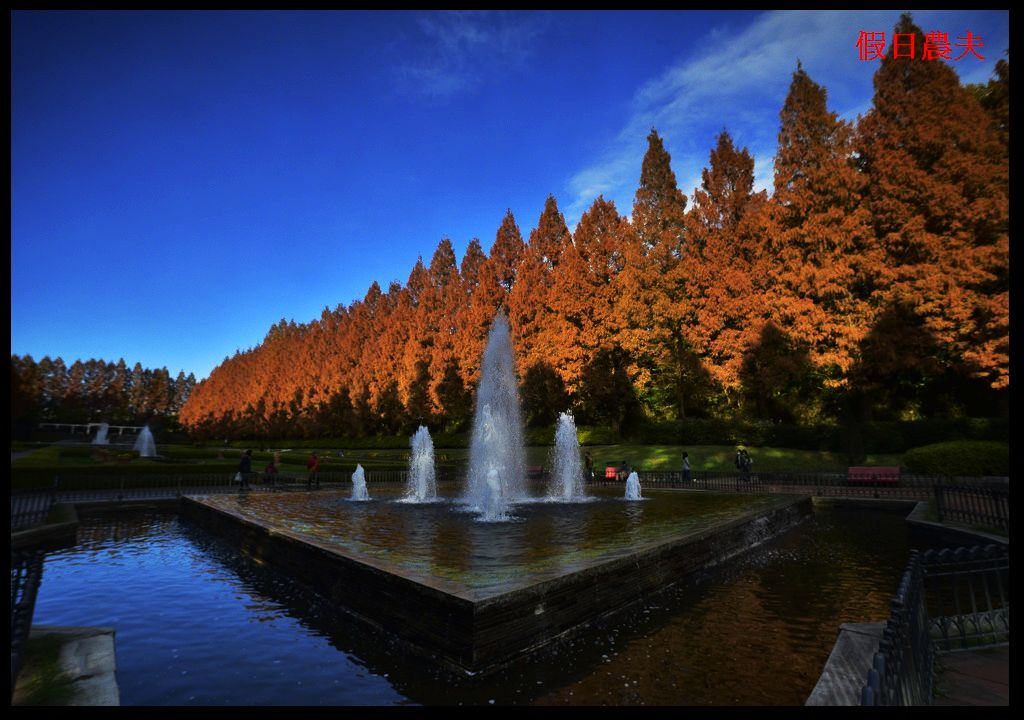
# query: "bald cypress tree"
[937,195]
[723,276]
[529,304]
[823,257]
[507,251]
[647,291]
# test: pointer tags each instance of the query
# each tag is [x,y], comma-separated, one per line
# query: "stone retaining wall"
[482,634]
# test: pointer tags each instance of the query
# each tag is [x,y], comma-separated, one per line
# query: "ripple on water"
[196,624]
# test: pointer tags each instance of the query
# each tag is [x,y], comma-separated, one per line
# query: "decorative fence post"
[939,499]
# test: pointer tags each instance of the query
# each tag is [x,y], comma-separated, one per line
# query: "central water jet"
[497,456]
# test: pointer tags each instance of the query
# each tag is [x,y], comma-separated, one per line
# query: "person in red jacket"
[313,471]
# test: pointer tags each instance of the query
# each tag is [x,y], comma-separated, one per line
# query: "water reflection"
[198,623]
[481,558]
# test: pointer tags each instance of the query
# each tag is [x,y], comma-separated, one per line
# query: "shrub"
[540,435]
[966,458]
[594,435]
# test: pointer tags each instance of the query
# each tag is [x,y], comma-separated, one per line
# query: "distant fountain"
[422,487]
[497,457]
[633,487]
[567,469]
[101,435]
[144,444]
[359,491]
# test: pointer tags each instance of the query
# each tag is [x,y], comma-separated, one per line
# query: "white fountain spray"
[497,459]
[422,487]
[567,468]
[633,487]
[144,444]
[101,435]
[359,491]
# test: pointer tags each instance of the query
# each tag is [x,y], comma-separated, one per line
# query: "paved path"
[973,677]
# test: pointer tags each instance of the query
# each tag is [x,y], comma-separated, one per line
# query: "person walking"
[313,471]
[686,467]
[589,460]
[245,470]
[270,473]
[748,462]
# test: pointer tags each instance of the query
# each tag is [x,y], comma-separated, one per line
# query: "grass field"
[183,459]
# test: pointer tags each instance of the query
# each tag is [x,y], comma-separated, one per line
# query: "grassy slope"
[186,459]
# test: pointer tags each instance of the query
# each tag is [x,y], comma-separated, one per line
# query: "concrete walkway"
[973,677]
[87,658]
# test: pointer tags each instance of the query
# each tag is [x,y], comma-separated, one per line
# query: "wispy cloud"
[739,85]
[455,51]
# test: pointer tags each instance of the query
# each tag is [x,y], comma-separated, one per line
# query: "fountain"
[497,462]
[422,487]
[478,589]
[144,444]
[567,469]
[359,492]
[633,487]
[101,435]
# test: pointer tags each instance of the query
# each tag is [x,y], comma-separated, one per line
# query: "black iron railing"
[973,504]
[86,488]
[967,593]
[901,670]
[30,507]
[953,491]
[947,600]
[26,573]
[906,487]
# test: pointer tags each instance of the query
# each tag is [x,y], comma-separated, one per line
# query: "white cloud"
[455,51]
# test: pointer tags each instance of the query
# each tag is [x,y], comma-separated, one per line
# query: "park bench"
[873,476]
[611,472]
[534,471]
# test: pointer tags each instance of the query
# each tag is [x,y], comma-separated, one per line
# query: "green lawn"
[188,459]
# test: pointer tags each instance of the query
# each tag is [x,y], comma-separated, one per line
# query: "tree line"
[93,391]
[871,284]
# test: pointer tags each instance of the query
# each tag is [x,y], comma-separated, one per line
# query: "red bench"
[881,475]
[610,472]
[534,471]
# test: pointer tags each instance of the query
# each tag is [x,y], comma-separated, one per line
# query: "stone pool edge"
[485,634]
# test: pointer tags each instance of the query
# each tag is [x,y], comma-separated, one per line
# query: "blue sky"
[183,180]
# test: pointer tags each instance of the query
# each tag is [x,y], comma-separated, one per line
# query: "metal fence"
[974,505]
[30,507]
[973,500]
[907,487]
[901,670]
[26,573]
[967,593]
[947,600]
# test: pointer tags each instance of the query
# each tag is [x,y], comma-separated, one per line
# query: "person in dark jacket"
[313,471]
[245,470]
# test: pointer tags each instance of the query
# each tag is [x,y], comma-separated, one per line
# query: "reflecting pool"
[199,624]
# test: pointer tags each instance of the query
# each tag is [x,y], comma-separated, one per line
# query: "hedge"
[877,437]
[964,458]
